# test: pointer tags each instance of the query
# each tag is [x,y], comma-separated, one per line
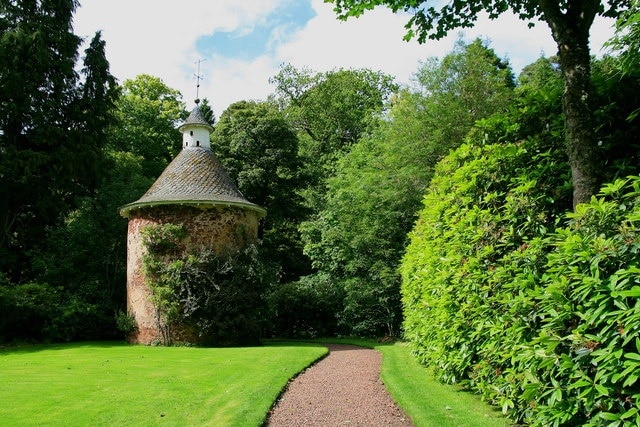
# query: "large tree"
[89,288]
[149,113]
[52,122]
[360,234]
[260,152]
[330,110]
[570,22]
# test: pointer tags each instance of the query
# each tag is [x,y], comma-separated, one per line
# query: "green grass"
[117,384]
[428,402]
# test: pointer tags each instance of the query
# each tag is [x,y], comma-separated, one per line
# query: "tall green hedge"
[583,363]
[504,293]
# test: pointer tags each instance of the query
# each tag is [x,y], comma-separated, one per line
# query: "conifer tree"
[50,122]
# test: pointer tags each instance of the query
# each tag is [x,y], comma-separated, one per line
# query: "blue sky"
[256,39]
[243,43]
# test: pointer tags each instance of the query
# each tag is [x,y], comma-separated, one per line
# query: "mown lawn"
[428,402]
[109,384]
[106,384]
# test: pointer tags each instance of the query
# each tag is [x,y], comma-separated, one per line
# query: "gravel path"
[344,388]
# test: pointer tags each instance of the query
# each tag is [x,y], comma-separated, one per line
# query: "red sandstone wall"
[216,228]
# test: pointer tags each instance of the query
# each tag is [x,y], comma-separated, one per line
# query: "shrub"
[225,295]
[372,304]
[476,253]
[534,308]
[27,311]
[126,323]
[305,309]
[584,361]
[78,319]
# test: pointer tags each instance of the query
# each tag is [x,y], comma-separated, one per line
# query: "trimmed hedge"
[583,364]
[505,294]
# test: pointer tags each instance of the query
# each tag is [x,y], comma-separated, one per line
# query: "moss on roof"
[195,177]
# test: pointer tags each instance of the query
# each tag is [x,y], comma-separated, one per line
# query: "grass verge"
[428,402]
[101,383]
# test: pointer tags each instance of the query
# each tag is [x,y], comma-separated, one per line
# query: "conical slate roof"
[196,178]
[196,117]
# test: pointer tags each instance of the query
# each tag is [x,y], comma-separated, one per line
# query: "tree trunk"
[570,31]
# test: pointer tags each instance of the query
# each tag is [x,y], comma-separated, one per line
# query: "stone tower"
[196,192]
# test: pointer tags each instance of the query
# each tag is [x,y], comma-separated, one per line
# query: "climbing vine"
[162,265]
[219,295]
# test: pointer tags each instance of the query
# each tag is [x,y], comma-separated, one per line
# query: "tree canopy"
[570,22]
[259,150]
[359,234]
[434,20]
[149,112]
[331,110]
[52,122]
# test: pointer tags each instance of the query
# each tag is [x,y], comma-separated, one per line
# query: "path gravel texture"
[343,389]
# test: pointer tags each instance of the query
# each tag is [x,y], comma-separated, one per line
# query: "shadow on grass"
[26,348]
[34,348]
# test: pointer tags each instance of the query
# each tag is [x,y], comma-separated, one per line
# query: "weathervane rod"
[198,78]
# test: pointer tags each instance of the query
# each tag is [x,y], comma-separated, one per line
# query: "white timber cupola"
[196,130]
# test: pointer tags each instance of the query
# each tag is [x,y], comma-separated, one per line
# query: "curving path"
[342,389]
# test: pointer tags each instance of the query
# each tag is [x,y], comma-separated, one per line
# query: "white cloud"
[159,38]
[232,80]
[371,41]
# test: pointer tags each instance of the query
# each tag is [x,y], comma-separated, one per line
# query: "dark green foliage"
[222,296]
[305,309]
[54,116]
[615,97]
[27,311]
[259,151]
[584,360]
[207,111]
[40,312]
[52,123]
[93,237]
[126,323]
[372,304]
[99,90]
[84,256]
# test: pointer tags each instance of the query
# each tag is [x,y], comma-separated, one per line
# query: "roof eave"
[124,210]
[201,125]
